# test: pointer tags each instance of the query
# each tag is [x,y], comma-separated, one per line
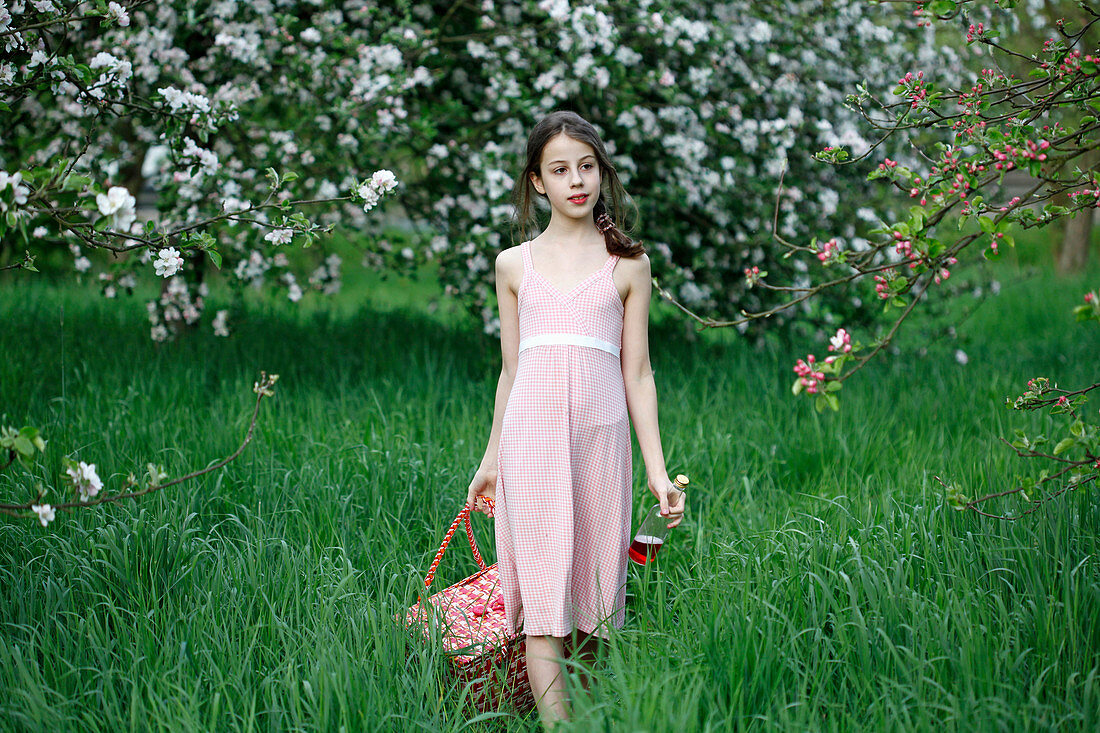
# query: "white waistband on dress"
[569,339]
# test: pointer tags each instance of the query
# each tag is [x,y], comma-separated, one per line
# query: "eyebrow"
[552,162]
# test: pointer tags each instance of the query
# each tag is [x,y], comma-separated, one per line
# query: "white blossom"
[168,262]
[280,236]
[119,13]
[84,479]
[45,513]
[119,203]
[220,327]
[13,180]
[384,179]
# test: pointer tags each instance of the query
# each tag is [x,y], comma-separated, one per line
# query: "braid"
[617,242]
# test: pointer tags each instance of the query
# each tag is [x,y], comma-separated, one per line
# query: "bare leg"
[544,660]
[583,652]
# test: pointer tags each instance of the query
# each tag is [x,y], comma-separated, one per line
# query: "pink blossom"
[842,341]
[752,275]
[882,287]
[809,378]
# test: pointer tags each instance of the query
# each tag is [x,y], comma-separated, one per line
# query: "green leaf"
[916,219]
[215,257]
[1064,445]
[796,388]
[24,446]
[986,224]
[942,7]
[76,182]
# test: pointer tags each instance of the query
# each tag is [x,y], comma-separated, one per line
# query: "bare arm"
[507,277]
[641,390]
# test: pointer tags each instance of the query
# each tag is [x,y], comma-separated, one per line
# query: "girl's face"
[569,176]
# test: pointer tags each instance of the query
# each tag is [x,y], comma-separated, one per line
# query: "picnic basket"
[488,660]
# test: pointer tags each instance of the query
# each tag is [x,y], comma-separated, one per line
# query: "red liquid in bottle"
[644,548]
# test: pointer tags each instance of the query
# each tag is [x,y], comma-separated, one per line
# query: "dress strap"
[525,250]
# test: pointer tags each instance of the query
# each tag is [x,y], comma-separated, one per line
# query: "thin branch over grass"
[264,387]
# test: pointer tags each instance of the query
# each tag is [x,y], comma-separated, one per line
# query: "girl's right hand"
[484,484]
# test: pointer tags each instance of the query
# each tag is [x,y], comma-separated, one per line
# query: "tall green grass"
[818,582]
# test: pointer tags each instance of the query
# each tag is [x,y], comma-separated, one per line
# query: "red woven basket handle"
[463,516]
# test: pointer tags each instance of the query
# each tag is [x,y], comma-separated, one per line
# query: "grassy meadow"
[818,582]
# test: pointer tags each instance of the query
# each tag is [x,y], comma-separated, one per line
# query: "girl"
[574,310]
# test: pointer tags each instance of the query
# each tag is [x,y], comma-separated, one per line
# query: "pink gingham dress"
[564,487]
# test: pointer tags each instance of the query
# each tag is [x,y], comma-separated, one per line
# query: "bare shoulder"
[509,266]
[636,270]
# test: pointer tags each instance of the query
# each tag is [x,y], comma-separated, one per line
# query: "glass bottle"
[651,535]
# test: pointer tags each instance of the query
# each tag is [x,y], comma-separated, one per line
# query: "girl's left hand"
[673,501]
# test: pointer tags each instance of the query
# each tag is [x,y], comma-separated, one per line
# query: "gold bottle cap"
[681,482]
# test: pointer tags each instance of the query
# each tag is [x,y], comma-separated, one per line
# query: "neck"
[572,232]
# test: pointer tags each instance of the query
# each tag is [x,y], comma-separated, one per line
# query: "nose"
[576,179]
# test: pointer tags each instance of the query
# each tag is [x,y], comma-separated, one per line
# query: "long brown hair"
[524,193]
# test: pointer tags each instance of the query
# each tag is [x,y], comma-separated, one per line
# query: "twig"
[263,388]
[972,505]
